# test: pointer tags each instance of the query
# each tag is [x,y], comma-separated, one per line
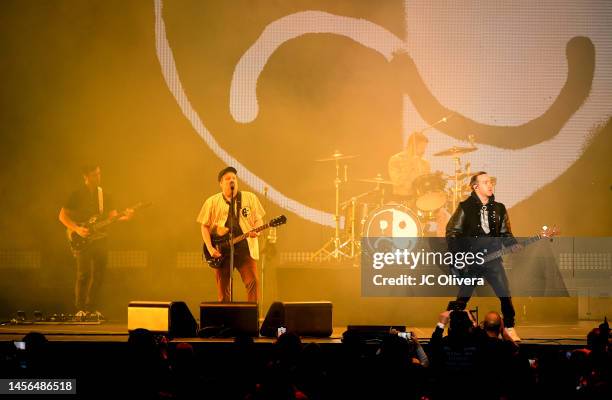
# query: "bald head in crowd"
[493,324]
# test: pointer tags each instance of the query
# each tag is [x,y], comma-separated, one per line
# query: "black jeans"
[91,264]
[494,273]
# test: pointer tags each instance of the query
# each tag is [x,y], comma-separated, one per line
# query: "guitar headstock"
[278,221]
[549,232]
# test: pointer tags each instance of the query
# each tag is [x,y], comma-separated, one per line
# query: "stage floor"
[110,331]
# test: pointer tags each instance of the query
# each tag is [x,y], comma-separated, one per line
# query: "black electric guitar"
[96,228]
[222,243]
[545,233]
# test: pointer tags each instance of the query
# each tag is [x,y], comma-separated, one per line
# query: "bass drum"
[389,227]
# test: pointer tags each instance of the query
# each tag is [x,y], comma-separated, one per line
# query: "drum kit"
[377,213]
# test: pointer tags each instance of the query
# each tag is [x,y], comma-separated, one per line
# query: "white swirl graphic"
[543,162]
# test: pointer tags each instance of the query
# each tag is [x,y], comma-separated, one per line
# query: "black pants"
[91,264]
[494,273]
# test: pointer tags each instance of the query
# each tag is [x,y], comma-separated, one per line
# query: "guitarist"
[85,202]
[480,220]
[215,218]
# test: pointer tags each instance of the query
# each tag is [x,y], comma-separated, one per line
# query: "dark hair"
[87,168]
[460,323]
[225,171]
[413,140]
[593,338]
[35,340]
[474,179]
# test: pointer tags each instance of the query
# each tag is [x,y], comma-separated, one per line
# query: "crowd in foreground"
[472,360]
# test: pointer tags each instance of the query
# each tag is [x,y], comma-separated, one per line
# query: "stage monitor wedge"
[312,318]
[370,332]
[228,319]
[172,318]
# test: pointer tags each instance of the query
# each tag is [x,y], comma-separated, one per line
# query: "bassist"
[482,221]
[247,214]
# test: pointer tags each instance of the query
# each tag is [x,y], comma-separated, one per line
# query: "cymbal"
[337,156]
[376,179]
[453,151]
[459,177]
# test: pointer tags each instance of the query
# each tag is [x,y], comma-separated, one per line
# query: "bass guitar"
[546,233]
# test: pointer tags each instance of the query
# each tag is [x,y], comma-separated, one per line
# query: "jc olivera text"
[427,280]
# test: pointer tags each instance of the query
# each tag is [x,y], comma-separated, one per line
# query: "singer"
[247,214]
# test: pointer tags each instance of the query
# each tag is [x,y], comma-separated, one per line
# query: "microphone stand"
[263,263]
[265,255]
[232,216]
[444,119]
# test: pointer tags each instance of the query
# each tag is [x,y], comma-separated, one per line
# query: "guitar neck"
[505,250]
[105,223]
[244,235]
[109,221]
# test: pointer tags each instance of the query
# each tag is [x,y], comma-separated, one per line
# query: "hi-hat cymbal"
[376,179]
[337,156]
[453,151]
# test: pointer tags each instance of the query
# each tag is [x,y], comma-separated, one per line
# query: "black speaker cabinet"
[302,318]
[229,319]
[167,317]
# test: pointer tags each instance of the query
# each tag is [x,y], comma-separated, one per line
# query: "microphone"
[232,185]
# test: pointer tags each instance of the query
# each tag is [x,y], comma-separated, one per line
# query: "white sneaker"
[512,334]
[80,315]
[97,316]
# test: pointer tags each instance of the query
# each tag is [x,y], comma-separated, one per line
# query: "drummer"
[404,168]
[407,165]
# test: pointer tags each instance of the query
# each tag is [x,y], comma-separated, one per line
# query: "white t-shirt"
[404,169]
[215,211]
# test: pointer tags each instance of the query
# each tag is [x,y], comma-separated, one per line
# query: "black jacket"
[465,222]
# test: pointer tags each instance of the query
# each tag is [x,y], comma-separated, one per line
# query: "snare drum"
[430,192]
[391,226]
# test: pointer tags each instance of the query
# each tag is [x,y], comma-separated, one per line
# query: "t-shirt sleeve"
[73,201]
[205,215]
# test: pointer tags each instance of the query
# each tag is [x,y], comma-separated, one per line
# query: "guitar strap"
[235,214]
[100,201]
